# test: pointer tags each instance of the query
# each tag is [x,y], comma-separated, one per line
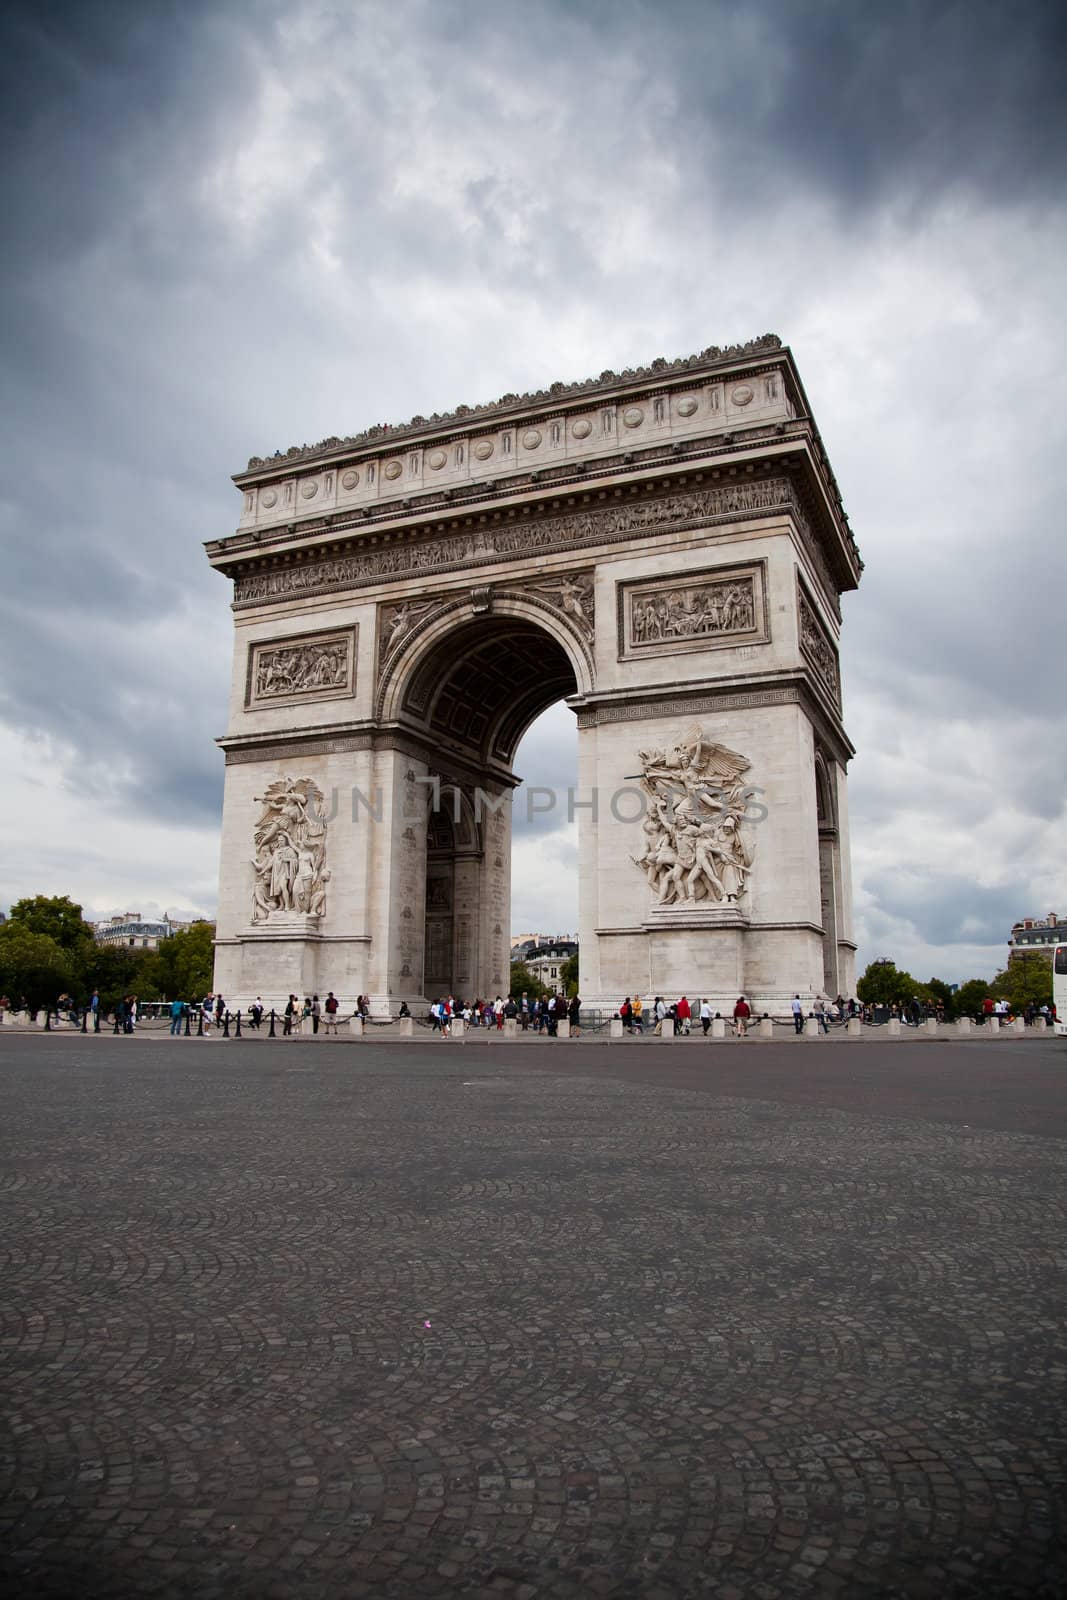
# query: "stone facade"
[666,550]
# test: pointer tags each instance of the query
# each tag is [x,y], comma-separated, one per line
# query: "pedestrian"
[177,1010]
[798,1014]
[742,1012]
[637,1014]
[207,1013]
[290,1013]
[330,1009]
[574,1013]
[705,1016]
[819,1008]
[94,1007]
[316,1013]
[684,1015]
[255,1011]
[220,1010]
[659,1011]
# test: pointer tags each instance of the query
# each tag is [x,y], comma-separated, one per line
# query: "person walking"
[94,1007]
[574,1014]
[637,1014]
[177,1011]
[290,1013]
[316,1013]
[207,1013]
[742,1012]
[798,1014]
[820,1013]
[683,1012]
[705,1016]
[659,1011]
[255,1011]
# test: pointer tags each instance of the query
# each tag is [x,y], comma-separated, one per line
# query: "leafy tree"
[59,918]
[1023,983]
[568,975]
[884,983]
[33,966]
[523,982]
[969,997]
[943,994]
[117,970]
[182,967]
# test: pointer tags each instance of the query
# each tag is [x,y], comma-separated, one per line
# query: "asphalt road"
[308,1320]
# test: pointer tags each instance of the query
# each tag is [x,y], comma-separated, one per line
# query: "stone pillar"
[511,1027]
[931,1024]
[1040,1025]
[766,1028]
[355,1027]
[854,1030]
[615,1028]
[892,1028]
[666,1028]
[407,1027]
[993,1024]
[563,1028]
[811,1027]
[718,1028]
[1019,1025]
[964,1024]
[459,1028]
[306,1028]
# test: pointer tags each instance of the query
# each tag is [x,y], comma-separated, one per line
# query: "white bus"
[1059,987]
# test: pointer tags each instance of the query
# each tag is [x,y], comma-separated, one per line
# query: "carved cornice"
[400,433]
[683,704]
[593,524]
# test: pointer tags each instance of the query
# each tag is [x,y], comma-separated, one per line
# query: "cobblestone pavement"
[314,1321]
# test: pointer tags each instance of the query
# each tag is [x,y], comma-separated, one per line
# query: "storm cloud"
[231,229]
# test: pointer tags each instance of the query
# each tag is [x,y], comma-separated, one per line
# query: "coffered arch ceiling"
[482,684]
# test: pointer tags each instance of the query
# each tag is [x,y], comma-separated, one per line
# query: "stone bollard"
[563,1028]
[511,1027]
[1019,1025]
[459,1028]
[993,1024]
[766,1028]
[811,1027]
[964,1024]
[306,1028]
[615,1028]
[931,1024]
[1040,1025]
[854,1030]
[355,1027]
[666,1028]
[892,1028]
[718,1028]
[407,1027]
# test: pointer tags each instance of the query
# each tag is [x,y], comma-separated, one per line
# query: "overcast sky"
[235,226]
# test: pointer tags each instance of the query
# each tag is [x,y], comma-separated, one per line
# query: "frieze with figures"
[317,666]
[289,858]
[693,611]
[698,853]
[583,527]
[816,645]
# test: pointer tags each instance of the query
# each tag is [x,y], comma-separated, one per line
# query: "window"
[1061,960]
[133,941]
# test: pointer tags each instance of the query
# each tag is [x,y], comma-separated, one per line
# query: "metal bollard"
[117,1027]
[200,1024]
[187,1014]
[48,1020]
[226,1025]
[272,1034]
[96,1021]
[238,1033]
[85,1020]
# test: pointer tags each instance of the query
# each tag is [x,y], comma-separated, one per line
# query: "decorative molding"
[714,609]
[700,701]
[657,369]
[302,667]
[295,748]
[817,646]
[584,528]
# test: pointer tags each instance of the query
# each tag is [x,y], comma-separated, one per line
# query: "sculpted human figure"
[694,849]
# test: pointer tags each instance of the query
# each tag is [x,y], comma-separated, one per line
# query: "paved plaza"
[311,1320]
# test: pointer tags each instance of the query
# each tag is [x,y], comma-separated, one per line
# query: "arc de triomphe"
[665,549]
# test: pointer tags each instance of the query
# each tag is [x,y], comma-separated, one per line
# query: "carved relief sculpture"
[571,593]
[290,852]
[693,612]
[312,667]
[817,647]
[697,852]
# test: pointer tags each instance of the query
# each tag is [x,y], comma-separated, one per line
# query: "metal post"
[96,1020]
[48,1019]
[118,1029]
[238,1035]
[85,1020]
[272,1034]
[200,1024]
[226,1026]
[187,1015]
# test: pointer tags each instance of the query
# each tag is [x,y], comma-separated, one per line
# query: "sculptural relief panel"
[698,851]
[289,856]
[718,608]
[817,645]
[318,666]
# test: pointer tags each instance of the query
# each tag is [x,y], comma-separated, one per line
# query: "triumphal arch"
[665,549]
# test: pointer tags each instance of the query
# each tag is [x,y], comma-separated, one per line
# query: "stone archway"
[665,550]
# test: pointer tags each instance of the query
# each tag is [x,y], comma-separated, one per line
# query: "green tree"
[568,975]
[523,982]
[884,983]
[941,992]
[59,918]
[33,966]
[1023,983]
[969,997]
[182,967]
[116,970]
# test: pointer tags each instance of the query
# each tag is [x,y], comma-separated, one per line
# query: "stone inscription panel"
[718,608]
[308,666]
